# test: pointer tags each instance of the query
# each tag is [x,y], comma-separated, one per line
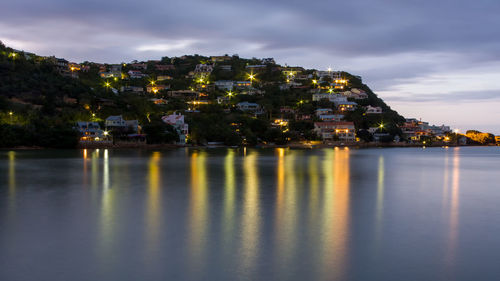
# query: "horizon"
[438,64]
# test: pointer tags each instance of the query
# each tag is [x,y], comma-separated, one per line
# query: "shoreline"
[266,146]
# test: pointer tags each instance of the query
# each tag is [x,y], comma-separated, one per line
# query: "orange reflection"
[336,213]
[85,167]
[251,212]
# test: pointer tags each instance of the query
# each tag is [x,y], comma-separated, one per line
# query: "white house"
[328,130]
[248,106]
[177,121]
[373,109]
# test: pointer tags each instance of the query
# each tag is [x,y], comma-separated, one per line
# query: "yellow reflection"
[286,209]
[313,187]
[251,212]
[229,196]
[105,177]
[336,213]
[198,212]
[153,214]
[85,173]
[95,168]
[380,198]
[12,180]
[454,204]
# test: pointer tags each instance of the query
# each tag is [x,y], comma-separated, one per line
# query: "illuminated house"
[177,121]
[344,131]
[133,89]
[90,131]
[224,84]
[346,106]
[156,88]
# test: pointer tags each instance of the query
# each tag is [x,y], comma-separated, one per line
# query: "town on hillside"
[198,100]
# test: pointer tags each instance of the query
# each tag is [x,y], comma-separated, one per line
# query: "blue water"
[249,214]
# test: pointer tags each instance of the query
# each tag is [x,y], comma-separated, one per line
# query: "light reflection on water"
[247,214]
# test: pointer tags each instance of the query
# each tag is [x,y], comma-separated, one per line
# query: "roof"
[333,123]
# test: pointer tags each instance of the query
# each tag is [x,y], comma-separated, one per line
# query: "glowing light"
[314,81]
[11,113]
[106,133]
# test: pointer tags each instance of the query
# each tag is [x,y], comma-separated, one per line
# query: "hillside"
[45,96]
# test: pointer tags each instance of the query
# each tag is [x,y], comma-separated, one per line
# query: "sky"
[437,60]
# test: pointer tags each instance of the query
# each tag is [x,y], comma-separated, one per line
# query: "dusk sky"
[436,60]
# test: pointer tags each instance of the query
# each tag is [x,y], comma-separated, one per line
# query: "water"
[235,214]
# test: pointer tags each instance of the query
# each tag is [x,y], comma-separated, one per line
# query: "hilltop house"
[136,74]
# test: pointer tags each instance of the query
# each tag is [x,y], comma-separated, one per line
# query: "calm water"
[279,214]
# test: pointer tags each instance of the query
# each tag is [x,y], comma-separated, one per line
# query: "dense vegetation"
[39,106]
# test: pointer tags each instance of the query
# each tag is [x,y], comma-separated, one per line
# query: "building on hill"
[224,85]
[118,123]
[226,67]
[331,117]
[163,77]
[156,88]
[346,106]
[177,121]
[220,58]
[90,131]
[267,61]
[164,67]
[136,74]
[497,139]
[133,89]
[373,109]
[323,111]
[248,106]
[344,131]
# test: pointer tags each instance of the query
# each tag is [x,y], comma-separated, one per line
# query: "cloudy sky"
[437,60]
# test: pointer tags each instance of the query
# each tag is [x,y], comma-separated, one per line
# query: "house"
[164,67]
[177,121]
[248,106]
[90,131]
[323,111]
[357,94]
[287,110]
[344,131]
[224,84]
[267,61]
[156,88]
[242,84]
[497,139]
[133,89]
[346,106]
[163,77]
[256,67]
[118,123]
[142,66]
[136,74]
[331,117]
[220,58]
[225,67]
[373,109]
